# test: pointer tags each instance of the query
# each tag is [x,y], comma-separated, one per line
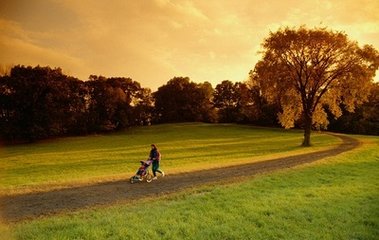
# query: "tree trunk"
[307,130]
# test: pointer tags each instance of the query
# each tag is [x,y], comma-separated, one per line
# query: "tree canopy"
[235,102]
[181,100]
[305,70]
[40,102]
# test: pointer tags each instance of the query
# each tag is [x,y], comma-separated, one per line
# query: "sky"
[152,41]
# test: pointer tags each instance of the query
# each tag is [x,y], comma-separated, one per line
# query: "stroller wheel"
[149,177]
[132,180]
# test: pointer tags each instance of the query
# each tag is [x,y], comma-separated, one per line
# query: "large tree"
[305,70]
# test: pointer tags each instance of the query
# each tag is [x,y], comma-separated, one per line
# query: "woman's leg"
[155,168]
[159,170]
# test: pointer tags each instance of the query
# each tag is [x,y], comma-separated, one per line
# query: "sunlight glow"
[153,41]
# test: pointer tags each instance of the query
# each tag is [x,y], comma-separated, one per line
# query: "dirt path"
[29,206]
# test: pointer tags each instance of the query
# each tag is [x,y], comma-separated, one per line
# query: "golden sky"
[152,41]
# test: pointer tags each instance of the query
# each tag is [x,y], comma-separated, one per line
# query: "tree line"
[307,78]
[41,102]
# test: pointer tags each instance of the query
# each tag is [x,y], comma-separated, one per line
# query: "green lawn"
[335,198]
[185,147]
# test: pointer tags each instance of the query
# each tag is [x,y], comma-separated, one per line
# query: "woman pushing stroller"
[154,158]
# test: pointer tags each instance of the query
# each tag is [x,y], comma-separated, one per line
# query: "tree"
[365,119]
[181,100]
[144,107]
[225,100]
[207,113]
[76,114]
[235,102]
[305,70]
[261,112]
[35,103]
[113,103]
[40,102]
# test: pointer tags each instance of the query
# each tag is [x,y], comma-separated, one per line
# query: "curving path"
[32,205]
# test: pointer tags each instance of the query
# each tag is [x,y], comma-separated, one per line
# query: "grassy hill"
[335,198]
[185,147]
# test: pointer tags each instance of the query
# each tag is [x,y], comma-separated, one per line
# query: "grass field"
[336,198]
[185,147]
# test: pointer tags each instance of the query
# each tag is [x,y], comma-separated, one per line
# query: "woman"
[155,156]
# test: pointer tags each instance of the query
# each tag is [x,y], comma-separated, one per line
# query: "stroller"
[143,173]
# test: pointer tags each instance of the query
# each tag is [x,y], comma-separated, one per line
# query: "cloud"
[18,47]
[188,9]
[153,41]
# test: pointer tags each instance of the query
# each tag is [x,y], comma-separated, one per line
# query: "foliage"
[181,100]
[365,119]
[34,102]
[113,103]
[305,70]
[41,102]
[234,102]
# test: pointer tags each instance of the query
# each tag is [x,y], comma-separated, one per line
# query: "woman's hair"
[153,145]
